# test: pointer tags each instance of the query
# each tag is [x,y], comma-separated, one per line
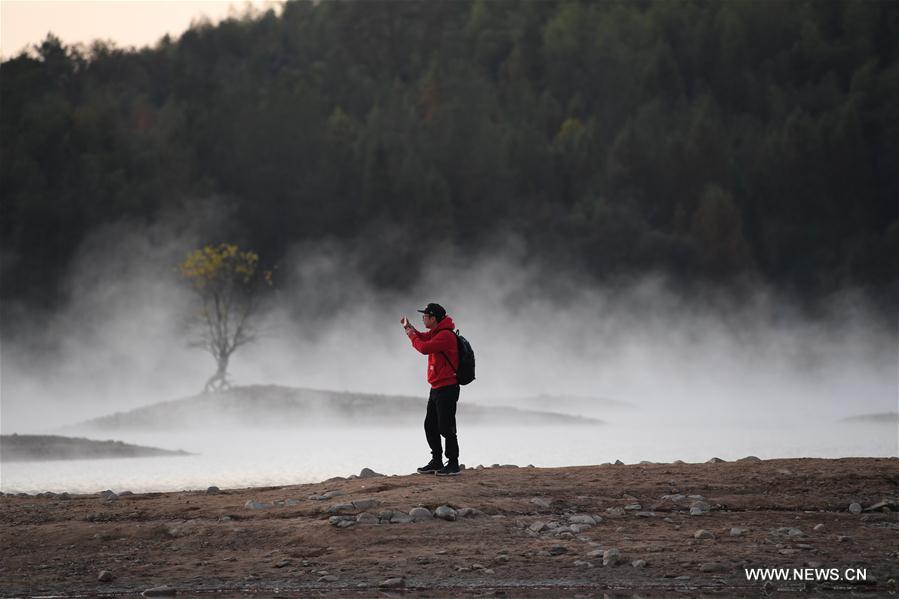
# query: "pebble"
[818,527]
[855,508]
[445,512]
[392,583]
[699,508]
[420,514]
[611,557]
[105,576]
[711,567]
[703,534]
[160,591]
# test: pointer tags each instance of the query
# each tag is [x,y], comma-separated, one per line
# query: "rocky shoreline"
[577,531]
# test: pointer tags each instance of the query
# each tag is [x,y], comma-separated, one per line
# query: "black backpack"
[465,371]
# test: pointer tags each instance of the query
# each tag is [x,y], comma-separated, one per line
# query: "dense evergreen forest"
[718,142]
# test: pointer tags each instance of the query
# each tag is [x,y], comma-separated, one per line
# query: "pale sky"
[125,22]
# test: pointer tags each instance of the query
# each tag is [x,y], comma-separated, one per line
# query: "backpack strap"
[445,357]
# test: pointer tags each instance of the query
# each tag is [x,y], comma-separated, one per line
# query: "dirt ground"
[515,540]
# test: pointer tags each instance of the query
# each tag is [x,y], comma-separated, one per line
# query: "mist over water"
[702,375]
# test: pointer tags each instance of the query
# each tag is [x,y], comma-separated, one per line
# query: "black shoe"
[431,467]
[449,470]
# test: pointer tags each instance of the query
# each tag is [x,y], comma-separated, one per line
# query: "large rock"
[445,512]
[369,473]
[341,507]
[420,514]
[367,518]
[342,521]
[400,518]
[366,504]
[582,519]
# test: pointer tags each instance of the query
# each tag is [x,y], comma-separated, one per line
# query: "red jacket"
[439,344]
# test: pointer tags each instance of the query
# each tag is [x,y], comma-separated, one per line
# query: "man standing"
[440,345]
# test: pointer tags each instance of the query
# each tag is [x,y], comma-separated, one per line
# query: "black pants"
[441,421]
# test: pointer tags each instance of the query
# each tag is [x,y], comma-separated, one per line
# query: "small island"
[32,448]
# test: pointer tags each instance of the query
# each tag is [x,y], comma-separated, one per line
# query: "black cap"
[435,310]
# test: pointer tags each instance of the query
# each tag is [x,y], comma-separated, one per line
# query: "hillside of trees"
[718,142]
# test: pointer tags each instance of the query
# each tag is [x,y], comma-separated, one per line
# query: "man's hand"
[405,322]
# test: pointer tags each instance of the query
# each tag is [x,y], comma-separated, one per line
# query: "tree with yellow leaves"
[228,283]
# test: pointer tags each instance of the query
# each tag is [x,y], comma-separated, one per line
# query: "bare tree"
[228,283]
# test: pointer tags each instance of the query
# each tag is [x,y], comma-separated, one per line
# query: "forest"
[718,143]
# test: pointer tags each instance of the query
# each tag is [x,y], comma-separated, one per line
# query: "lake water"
[234,459]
